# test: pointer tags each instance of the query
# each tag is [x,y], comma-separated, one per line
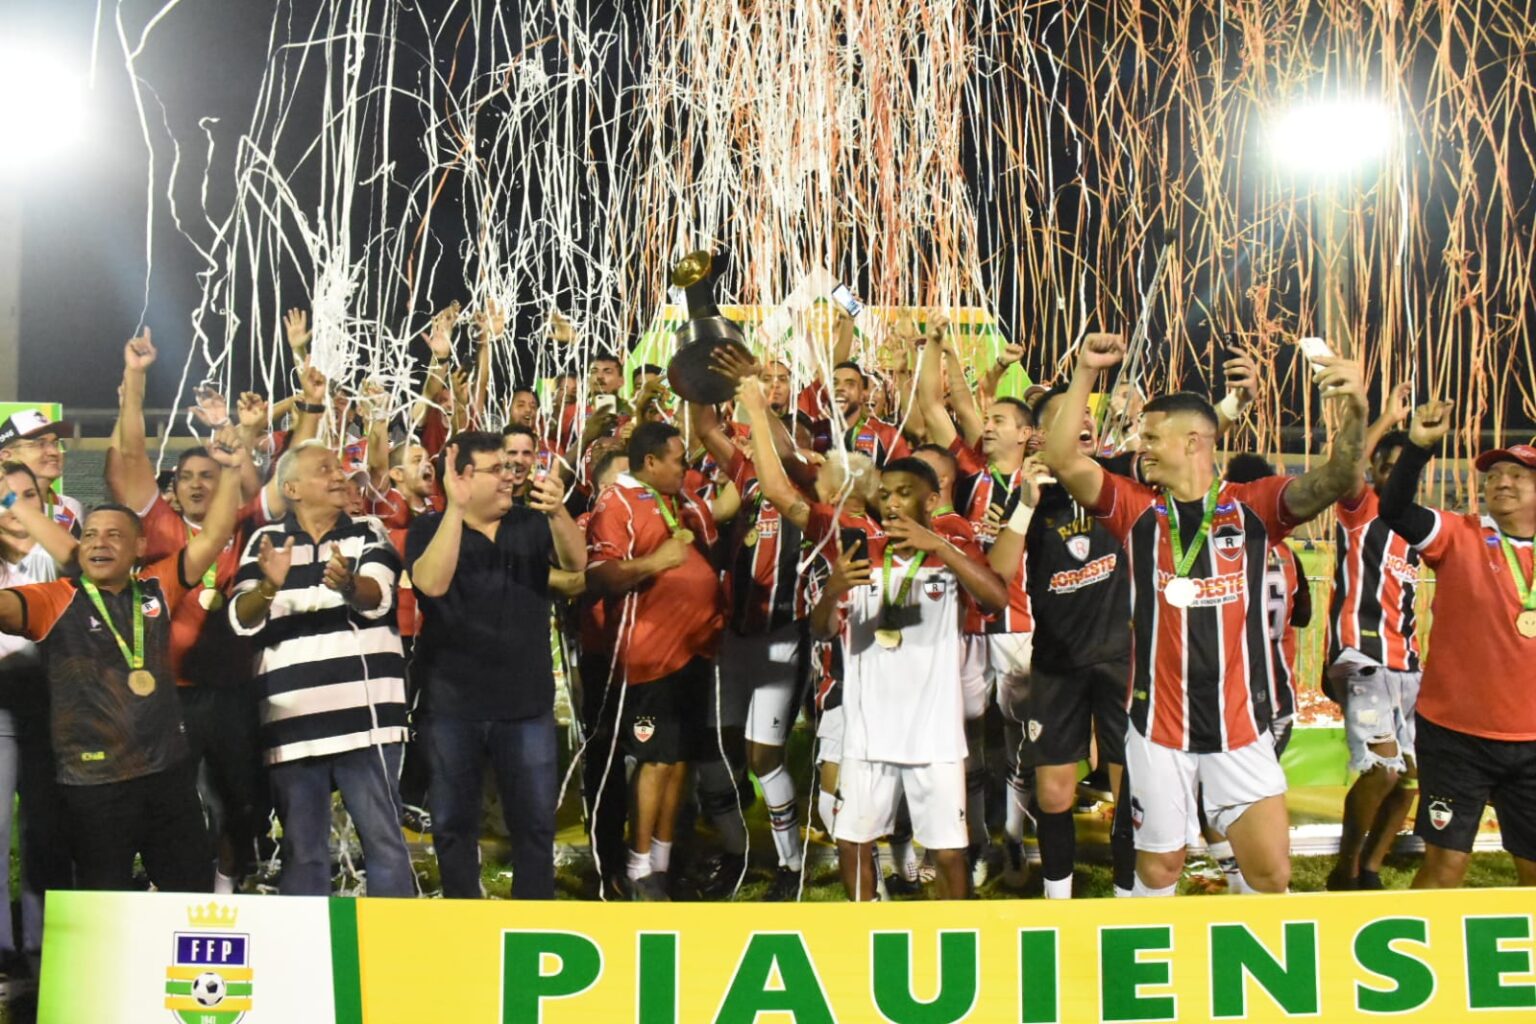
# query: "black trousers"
[156,816]
[221,730]
[599,719]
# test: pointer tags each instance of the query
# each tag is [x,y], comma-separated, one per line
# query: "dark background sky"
[83,229]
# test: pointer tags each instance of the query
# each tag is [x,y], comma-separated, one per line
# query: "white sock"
[1058,888]
[639,865]
[1124,893]
[661,856]
[779,794]
[1140,888]
[1018,799]
[223,885]
[1219,851]
[904,858]
[826,807]
[1222,854]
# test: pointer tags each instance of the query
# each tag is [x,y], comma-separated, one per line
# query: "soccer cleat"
[901,885]
[650,889]
[785,887]
[721,876]
[981,869]
[1016,865]
[1338,881]
[1369,881]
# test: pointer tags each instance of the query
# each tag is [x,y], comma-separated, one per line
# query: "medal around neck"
[1525,624]
[1180,592]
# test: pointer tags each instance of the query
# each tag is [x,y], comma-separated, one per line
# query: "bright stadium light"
[42,107]
[1332,137]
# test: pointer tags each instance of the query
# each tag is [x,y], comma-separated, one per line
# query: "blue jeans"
[525,761]
[369,781]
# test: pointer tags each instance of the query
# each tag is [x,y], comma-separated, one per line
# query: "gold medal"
[890,639]
[141,682]
[1525,624]
[212,600]
[686,536]
[750,540]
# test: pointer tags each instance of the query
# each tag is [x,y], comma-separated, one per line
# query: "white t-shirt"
[36,566]
[904,706]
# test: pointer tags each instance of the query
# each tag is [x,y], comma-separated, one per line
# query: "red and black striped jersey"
[823,537]
[1202,677]
[1289,605]
[977,489]
[763,557]
[1374,578]
[880,440]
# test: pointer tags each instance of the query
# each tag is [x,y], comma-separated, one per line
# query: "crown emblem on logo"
[212,916]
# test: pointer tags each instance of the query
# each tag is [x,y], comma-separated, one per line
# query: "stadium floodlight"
[42,107]
[1331,138]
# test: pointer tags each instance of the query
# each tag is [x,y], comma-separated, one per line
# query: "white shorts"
[829,737]
[1164,783]
[868,793]
[986,661]
[759,684]
[975,673]
[1011,654]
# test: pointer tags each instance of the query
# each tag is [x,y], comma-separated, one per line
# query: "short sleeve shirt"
[102,731]
[484,646]
[1479,676]
[1203,677]
[674,616]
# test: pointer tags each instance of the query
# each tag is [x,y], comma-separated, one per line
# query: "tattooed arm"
[1313,492]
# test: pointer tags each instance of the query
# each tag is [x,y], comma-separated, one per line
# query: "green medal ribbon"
[886,602]
[667,515]
[210,574]
[851,438]
[1525,590]
[135,657]
[999,484]
[943,511]
[1184,560]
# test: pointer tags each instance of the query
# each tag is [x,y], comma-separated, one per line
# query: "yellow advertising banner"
[1422,956]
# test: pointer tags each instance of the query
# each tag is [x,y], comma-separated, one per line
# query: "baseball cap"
[1521,453]
[28,423]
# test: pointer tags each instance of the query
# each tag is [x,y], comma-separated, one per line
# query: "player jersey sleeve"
[957,531]
[1447,531]
[165,533]
[609,537]
[42,605]
[896,445]
[1266,497]
[391,509]
[1121,502]
[168,572]
[821,523]
[1411,521]
[966,457]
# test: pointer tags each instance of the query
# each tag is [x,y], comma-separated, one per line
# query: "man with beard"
[1200,708]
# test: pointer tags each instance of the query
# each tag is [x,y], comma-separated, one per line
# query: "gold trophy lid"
[692,269]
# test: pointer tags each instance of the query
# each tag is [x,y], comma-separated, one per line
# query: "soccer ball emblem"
[208,989]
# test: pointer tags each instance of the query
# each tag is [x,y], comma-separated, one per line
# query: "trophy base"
[694,379]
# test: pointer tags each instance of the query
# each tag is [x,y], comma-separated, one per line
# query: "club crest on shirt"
[1035,729]
[1228,541]
[151,606]
[1078,547]
[645,728]
[934,589]
[1440,813]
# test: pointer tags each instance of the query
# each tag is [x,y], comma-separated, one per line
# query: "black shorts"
[667,719]
[1459,774]
[1060,710]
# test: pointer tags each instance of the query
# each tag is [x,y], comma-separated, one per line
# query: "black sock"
[1368,879]
[1057,836]
[1122,838]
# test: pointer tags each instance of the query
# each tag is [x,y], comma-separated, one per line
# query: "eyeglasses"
[46,444]
[499,468]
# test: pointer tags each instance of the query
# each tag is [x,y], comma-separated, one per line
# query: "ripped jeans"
[1378,708]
